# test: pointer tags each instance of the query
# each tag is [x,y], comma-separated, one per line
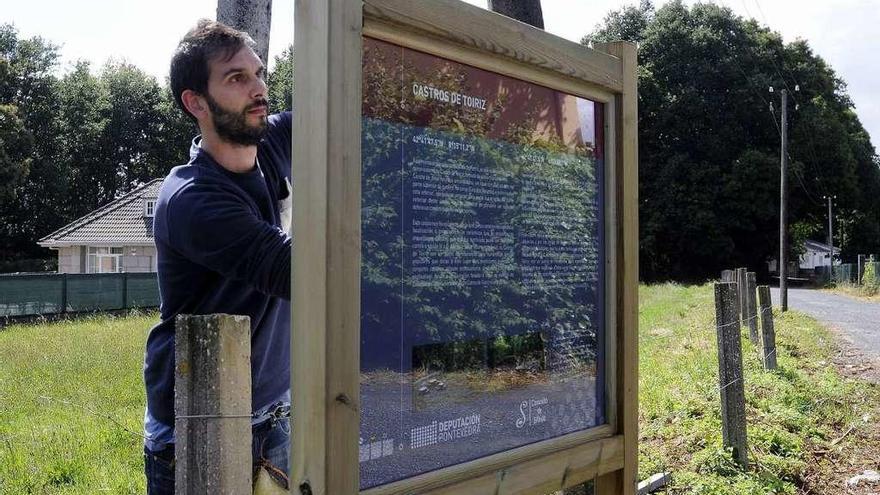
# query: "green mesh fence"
[30,294]
[843,274]
[27,295]
[143,290]
[94,292]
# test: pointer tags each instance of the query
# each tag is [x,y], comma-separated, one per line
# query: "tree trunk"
[527,11]
[251,16]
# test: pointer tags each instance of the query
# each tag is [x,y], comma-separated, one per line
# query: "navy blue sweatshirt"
[222,248]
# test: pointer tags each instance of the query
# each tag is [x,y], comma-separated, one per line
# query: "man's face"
[236,97]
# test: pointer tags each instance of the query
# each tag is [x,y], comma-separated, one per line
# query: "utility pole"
[830,238]
[783,207]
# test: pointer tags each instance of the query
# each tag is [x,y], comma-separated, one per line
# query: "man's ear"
[194,103]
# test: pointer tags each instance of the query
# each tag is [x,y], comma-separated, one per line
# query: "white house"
[815,255]
[116,238]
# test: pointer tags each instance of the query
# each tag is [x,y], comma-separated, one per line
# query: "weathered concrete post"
[730,373]
[729,276]
[212,404]
[741,294]
[752,307]
[768,333]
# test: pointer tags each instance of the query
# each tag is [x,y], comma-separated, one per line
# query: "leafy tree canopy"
[709,142]
[72,142]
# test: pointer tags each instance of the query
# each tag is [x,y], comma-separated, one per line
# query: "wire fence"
[51,294]
[844,274]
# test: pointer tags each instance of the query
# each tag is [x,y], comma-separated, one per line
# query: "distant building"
[815,255]
[116,238]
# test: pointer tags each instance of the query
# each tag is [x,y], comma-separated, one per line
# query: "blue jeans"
[270,448]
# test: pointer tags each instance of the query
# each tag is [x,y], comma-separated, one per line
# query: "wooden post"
[741,294]
[212,404]
[325,272]
[625,481]
[327,247]
[730,373]
[768,333]
[751,307]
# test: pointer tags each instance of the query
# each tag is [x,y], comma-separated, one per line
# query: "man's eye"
[235,78]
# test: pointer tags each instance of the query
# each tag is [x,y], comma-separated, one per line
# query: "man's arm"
[218,230]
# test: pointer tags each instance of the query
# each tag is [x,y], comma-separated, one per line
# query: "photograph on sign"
[483,255]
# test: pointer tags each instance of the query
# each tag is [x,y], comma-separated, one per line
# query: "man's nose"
[259,89]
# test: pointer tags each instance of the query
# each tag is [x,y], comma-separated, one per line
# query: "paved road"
[857,321]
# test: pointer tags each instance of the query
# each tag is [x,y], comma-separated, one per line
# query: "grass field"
[864,292]
[809,428]
[71,405]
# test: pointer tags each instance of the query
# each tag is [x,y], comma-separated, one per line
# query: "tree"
[709,146]
[627,24]
[83,120]
[133,120]
[281,82]
[34,206]
[16,145]
[71,144]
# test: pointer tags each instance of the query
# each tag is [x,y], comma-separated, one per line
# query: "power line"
[772,59]
[758,4]
[798,85]
[795,171]
[769,106]
[803,186]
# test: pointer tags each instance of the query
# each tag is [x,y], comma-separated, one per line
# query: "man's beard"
[233,127]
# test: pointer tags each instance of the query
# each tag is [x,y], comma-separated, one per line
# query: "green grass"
[72,405]
[792,413]
[72,398]
[869,292]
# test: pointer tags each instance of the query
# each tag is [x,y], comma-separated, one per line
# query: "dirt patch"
[854,448]
[852,362]
[830,466]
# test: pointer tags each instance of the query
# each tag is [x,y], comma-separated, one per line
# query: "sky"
[843,32]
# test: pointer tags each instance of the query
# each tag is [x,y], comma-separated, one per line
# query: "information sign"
[465,259]
[482,281]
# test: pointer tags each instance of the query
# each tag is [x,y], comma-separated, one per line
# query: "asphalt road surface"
[857,321]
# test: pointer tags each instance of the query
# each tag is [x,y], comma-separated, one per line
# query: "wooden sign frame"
[325,341]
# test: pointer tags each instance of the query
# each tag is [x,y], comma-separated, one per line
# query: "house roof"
[818,246]
[120,222]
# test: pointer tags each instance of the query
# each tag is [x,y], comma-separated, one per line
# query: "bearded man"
[222,236]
